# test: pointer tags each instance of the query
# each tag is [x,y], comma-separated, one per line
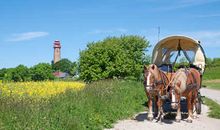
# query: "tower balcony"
[57,44]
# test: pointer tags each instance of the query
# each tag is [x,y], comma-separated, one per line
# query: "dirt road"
[203,122]
[211,93]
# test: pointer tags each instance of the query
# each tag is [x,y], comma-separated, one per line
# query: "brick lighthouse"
[56,56]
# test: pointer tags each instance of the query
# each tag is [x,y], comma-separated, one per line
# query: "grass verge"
[213,84]
[97,106]
[212,73]
[214,108]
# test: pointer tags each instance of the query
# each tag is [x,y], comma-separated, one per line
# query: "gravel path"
[203,122]
[211,93]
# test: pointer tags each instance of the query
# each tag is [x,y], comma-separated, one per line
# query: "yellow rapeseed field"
[38,89]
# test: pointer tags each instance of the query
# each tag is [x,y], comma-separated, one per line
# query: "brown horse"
[186,82]
[154,83]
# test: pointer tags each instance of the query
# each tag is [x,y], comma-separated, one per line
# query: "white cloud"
[110,31]
[26,36]
[207,38]
[179,4]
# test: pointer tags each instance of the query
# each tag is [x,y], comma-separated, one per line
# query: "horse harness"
[193,81]
[151,88]
[189,86]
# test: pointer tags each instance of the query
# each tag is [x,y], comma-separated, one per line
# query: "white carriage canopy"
[169,48]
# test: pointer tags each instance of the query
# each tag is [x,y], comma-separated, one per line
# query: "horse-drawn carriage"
[174,58]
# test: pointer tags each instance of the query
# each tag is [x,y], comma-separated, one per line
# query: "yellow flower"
[39,89]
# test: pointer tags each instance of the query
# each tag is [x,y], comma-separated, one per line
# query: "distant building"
[57,53]
[59,74]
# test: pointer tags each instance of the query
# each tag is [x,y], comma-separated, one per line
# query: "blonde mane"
[180,77]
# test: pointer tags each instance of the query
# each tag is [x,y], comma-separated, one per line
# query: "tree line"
[112,57]
[212,62]
[39,72]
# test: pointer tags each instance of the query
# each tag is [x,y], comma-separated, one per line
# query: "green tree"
[65,65]
[113,57]
[3,71]
[42,71]
[74,69]
[21,73]
[216,62]
[8,75]
[146,59]
[209,62]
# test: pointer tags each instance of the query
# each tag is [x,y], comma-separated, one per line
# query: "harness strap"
[158,82]
[193,82]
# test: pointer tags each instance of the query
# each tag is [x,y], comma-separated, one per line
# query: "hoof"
[150,118]
[178,120]
[195,117]
[189,121]
[161,120]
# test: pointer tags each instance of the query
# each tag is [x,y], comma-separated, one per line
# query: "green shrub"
[113,57]
[65,65]
[42,71]
[212,73]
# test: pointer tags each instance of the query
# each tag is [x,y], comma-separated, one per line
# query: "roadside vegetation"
[213,107]
[97,106]
[211,77]
[213,84]
[113,69]
[212,69]
[212,73]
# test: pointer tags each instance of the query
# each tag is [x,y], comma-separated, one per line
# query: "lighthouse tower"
[56,56]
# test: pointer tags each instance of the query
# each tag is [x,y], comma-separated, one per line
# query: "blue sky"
[29,27]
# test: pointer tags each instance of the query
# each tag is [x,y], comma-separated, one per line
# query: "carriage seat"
[195,67]
[166,67]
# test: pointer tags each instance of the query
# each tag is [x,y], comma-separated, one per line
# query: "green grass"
[212,73]
[211,76]
[213,84]
[214,108]
[96,107]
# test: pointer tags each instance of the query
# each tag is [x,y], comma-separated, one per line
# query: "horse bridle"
[152,87]
[174,93]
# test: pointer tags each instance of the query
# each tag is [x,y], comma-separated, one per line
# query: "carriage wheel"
[198,107]
[199,104]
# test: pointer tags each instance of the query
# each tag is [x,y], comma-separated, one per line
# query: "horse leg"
[150,113]
[190,108]
[160,110]
[194,102]
[157,106]
[178,114]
